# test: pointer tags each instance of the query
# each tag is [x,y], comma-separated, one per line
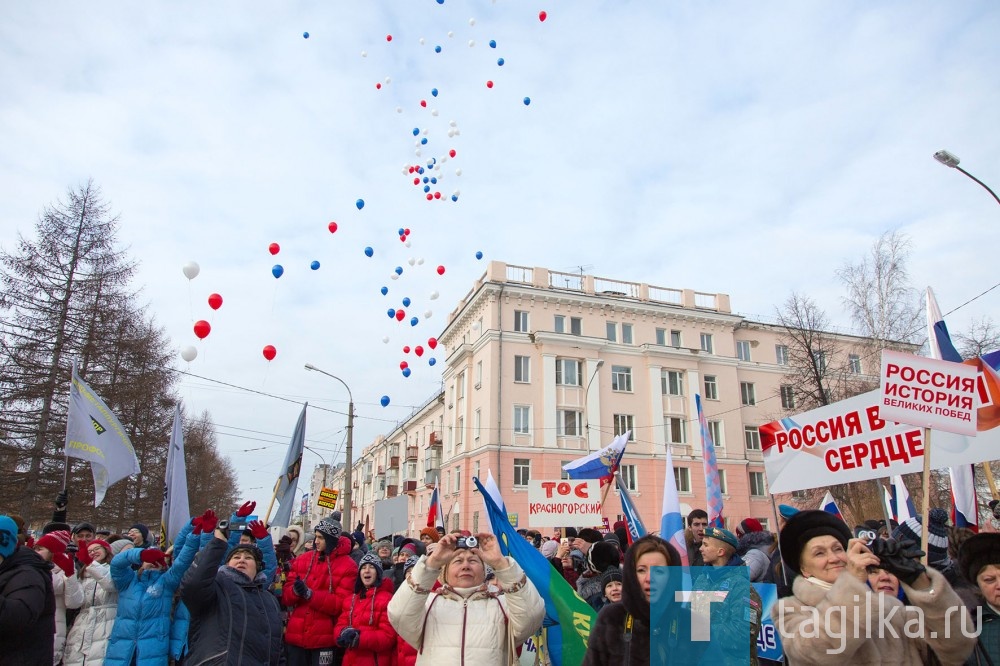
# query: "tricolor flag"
[671,520]
[568,618]
[964,512]
[493,492]
[901,506]
[636,530]
[830,506]
[713,489]
[94,434]
[601,464]
[435,512]
[176,510]
[887,502]
[285,489]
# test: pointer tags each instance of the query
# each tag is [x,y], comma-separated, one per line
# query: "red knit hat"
[55,542]
[103,544]
[749,525]
[430,532]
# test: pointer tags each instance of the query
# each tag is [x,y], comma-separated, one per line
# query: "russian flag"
[636,530]
[435,514]
[830,506]
[887,502]
[902,507]
[671,520]
[600,464]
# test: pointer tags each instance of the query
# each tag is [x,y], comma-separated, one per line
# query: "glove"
[246,509]
[208,521]
[62,499]
[82,554]
[153,556]
[348,638]
[284,546]
[258,529]
[301,589]
[196,525]
[30,543]
[900,558]
[995,508]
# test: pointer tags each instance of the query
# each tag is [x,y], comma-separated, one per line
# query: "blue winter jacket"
[182,617]
[145,602]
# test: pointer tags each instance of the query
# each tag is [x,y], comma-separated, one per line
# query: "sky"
[744,148]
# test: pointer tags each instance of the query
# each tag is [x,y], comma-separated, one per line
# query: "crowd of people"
[225,593]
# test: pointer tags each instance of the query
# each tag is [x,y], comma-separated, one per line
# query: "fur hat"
[603,555]
[8,536]
[378,545]
[806,525]
[979,551]
[430,532]
[55,542]
[590,535]
[937,535]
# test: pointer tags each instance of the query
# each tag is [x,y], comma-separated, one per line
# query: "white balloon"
[472,43]
[458,132]
[411,261]
[451,34]
[434,112]
[399,109]
[444,158]
[394,276]
[424,131]
[453,123]
[407,243]
[451,133]
[472,21]
[421,41]
[189,354]
[385,339]
[417,152]
[458,172]
[364,54]
[427,315]
[191,270]
[434,295]
[388,80]
[420,261]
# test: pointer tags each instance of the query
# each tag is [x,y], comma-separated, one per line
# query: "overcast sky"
[742,148]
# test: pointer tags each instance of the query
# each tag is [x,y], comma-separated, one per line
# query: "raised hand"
[196,525]
[82,554]
[208,521]
[246,509]
[258,529]
[443,552]
[489,551]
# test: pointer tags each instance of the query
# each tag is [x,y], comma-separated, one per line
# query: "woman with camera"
[466,620]
[833,617]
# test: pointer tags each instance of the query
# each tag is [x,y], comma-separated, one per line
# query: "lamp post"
[346,513]
[949,160]
[586,402]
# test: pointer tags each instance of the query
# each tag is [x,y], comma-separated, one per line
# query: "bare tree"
[811,350]
[982,337]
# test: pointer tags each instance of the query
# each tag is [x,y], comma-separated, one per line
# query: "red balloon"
[437,195]
[406,232]
[489,84]
[432,343]
[406,349]
[403,365]
[416,181]
[274,248]
[388,38]
[400,314]
[542,15]
[214,301]
[430,197]
[378,86]
[332,227]
[418,350]
[402,239]
[440,270]
[452,152]
[270,352]
[423,103]
[202,328]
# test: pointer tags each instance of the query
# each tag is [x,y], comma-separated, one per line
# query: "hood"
[633,598]
[302,538]
[758,540]
[25,557]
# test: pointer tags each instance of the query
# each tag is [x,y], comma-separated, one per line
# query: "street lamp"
[586,401]
[346,513]
[949,160]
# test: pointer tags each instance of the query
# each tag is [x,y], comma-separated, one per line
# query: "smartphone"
[565,541]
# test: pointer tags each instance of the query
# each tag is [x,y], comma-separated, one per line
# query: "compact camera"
[467,542]
[866,535]
[222,526]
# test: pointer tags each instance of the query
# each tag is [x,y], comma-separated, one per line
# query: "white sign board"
[929,392]
[564,503]
[391,516]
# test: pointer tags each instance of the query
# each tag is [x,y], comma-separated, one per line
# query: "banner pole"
[274,496]
[926,508]
[989,479]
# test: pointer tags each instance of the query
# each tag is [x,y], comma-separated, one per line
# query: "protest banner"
[928,392]
[564,502]
[327,498]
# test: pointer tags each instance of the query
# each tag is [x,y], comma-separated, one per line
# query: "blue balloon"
[305,35]
[384,401]
[416,131]
[434,181]
[420,170]
[431,361]
[278,270]
[479,255]
[369,252]
[384,290]
[314,265]
[406,302]
[427,188]
[399,270]
[401,232]
[426,179]
[454,197]
[360,203]
[493,43]
[527,101]
[406,372]
[391,312]
[423,141]
[500,62]
[414,321]
[437,49]
[434,92]
[440,2]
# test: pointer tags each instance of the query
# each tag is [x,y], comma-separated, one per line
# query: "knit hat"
[430,532]
[979,551]
[937,535]
[549,548]
[611,537]
[610,574]
[410,561]
[786,511]
[378,545]
[55,542]
[103,544]
[120,545]
[749,525]
[8,536]
[143,530]
[603,555]
[408,548]
[251,548]
[806,525]
[590,535]
[372,559]
[331,531]
[722,535]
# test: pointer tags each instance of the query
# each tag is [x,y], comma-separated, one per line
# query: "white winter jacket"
[68,594]
[466,625]
[88,639]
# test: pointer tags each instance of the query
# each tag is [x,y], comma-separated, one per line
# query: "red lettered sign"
[929,392]
[563,502]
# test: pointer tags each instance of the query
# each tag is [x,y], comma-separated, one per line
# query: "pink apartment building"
[544,366]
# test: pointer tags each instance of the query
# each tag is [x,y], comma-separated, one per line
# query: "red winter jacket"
[377,642]
[406,654]
[331,579]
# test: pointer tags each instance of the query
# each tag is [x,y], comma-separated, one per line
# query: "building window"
[575,326]
[675,338]
[458,480]
[560,324]
[787,396]
[751,436]
[706,343]
[612,331]
[479,374]
[711,388]
[477,424]
[672,382]
[460,431]
[569,372]
[748,396]
[757,488]
[568,423]
[715,432]
[661,337]
[520,321]
[820,359]
[723,488]
[621,378]
[522,419]
[522,367]
[461,385]
[743,350]
[625,423]
[522,472]
[626,334]
[781,354]
[630,476]
[682,478]
[854,364]
[675,429]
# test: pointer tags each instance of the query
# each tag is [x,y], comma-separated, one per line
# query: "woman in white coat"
[52,548]
[88,638]
[466,620]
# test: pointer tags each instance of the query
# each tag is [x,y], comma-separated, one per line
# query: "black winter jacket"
[234,620]
[27,610]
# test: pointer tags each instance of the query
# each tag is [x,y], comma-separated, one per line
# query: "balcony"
[391,491]
[368,477]
[411,453]
[434,441]
[381,471]
[394,462]
[409,486]
[431,477]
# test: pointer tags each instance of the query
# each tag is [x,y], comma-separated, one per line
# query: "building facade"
[543,367]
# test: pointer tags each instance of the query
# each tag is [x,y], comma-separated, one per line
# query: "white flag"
[94,434]
[176,510]
[288,481]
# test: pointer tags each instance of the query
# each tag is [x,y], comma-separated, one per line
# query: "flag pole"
[274,495]
[926,504]
[989,479]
